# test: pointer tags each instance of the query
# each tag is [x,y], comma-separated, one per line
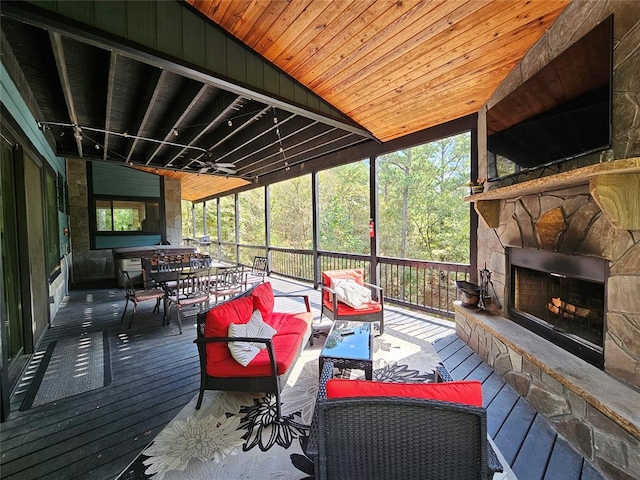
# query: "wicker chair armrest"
[371,285]
[328,289]
[311,449]
[493,463]
[304,297]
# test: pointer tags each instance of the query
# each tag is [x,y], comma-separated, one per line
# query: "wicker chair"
[398,438]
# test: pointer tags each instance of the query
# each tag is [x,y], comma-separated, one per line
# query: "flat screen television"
[561,112]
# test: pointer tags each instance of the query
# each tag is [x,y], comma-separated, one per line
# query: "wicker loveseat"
[359,436]
[269,370]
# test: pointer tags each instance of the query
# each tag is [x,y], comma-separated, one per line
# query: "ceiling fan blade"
[224,165]
[203,170]
[225,170]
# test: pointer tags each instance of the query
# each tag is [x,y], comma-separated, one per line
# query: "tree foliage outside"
[344,208]
[291,213]
[421,208]
[211,217]
[228,219]
[251,217]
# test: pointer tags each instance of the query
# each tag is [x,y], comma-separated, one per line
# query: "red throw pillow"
[219,317]
[263,300]
[468,392]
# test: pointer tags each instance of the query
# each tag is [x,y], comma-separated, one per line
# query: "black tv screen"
[561,112]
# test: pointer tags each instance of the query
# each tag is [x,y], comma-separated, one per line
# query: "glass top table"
[349,345]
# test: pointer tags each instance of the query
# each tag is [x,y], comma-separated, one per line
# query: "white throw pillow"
[350,292]
[244,352]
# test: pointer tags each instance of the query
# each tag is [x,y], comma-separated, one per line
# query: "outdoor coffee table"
[349,345]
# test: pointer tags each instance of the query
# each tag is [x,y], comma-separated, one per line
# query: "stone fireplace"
[587,208]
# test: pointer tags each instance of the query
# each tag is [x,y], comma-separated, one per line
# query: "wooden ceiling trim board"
[267,18]
[304,23]
[356,91]
[235,12]
[331,51]
[249,18]
[442,71]
[375,65]
[305,44]
[405,26]
[288,16]
[217,9]
[494,39]
[320,48]
[441,96]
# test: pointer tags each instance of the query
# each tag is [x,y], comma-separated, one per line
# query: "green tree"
[291,214]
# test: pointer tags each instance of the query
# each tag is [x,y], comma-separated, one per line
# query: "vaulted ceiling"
[152,85]
[395,67]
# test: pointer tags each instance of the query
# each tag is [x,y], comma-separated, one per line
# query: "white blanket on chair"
[350,292]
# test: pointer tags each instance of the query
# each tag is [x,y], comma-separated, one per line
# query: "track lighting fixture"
[175,132]
[230,123]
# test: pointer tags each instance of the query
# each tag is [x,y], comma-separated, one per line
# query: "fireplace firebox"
[561,298]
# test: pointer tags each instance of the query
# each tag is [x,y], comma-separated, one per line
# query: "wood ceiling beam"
[226,106]
[113,60]
[179,113]
[63,74]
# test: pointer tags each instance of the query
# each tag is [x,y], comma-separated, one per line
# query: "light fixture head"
[175,132]
[230,123]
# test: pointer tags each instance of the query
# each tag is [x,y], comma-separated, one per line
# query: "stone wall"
[570,221]
[584,421]
[173,210]
[86,264]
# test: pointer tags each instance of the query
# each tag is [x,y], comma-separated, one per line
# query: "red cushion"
[219,317]
[344,309]
[285,348]
[356,274]
[466,392]
[286,323]
[263,300]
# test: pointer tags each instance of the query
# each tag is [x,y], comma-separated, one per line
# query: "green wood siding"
[104,241]
[115,180]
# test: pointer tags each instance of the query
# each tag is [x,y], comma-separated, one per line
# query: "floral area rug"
[233,435]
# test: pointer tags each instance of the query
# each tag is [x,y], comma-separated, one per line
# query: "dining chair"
[230,281]
[258,272]
[192,289]
[140,295]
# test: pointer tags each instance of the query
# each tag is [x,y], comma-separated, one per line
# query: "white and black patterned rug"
[233,434]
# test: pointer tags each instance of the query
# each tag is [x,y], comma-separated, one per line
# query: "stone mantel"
[614,185]
[592,409]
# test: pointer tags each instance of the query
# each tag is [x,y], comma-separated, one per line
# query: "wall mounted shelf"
[614,185]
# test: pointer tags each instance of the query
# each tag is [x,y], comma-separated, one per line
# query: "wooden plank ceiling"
[395,67]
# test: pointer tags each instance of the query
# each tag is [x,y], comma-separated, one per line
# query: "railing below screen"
[417,284]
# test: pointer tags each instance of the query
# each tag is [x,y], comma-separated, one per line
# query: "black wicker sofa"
[398,438]
[269,370]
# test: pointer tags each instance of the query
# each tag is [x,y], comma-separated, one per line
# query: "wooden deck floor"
[526,440]
[155,373]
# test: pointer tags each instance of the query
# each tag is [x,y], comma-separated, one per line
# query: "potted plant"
[477,186]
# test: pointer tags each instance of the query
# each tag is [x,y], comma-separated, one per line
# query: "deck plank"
[499,408]
[514,430]
[533,457]
[565,462]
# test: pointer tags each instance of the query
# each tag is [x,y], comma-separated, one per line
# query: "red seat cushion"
[344,309]
[285,348]
[287,323]
[219,317]
[263,300]
[356,274]
[465,392]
